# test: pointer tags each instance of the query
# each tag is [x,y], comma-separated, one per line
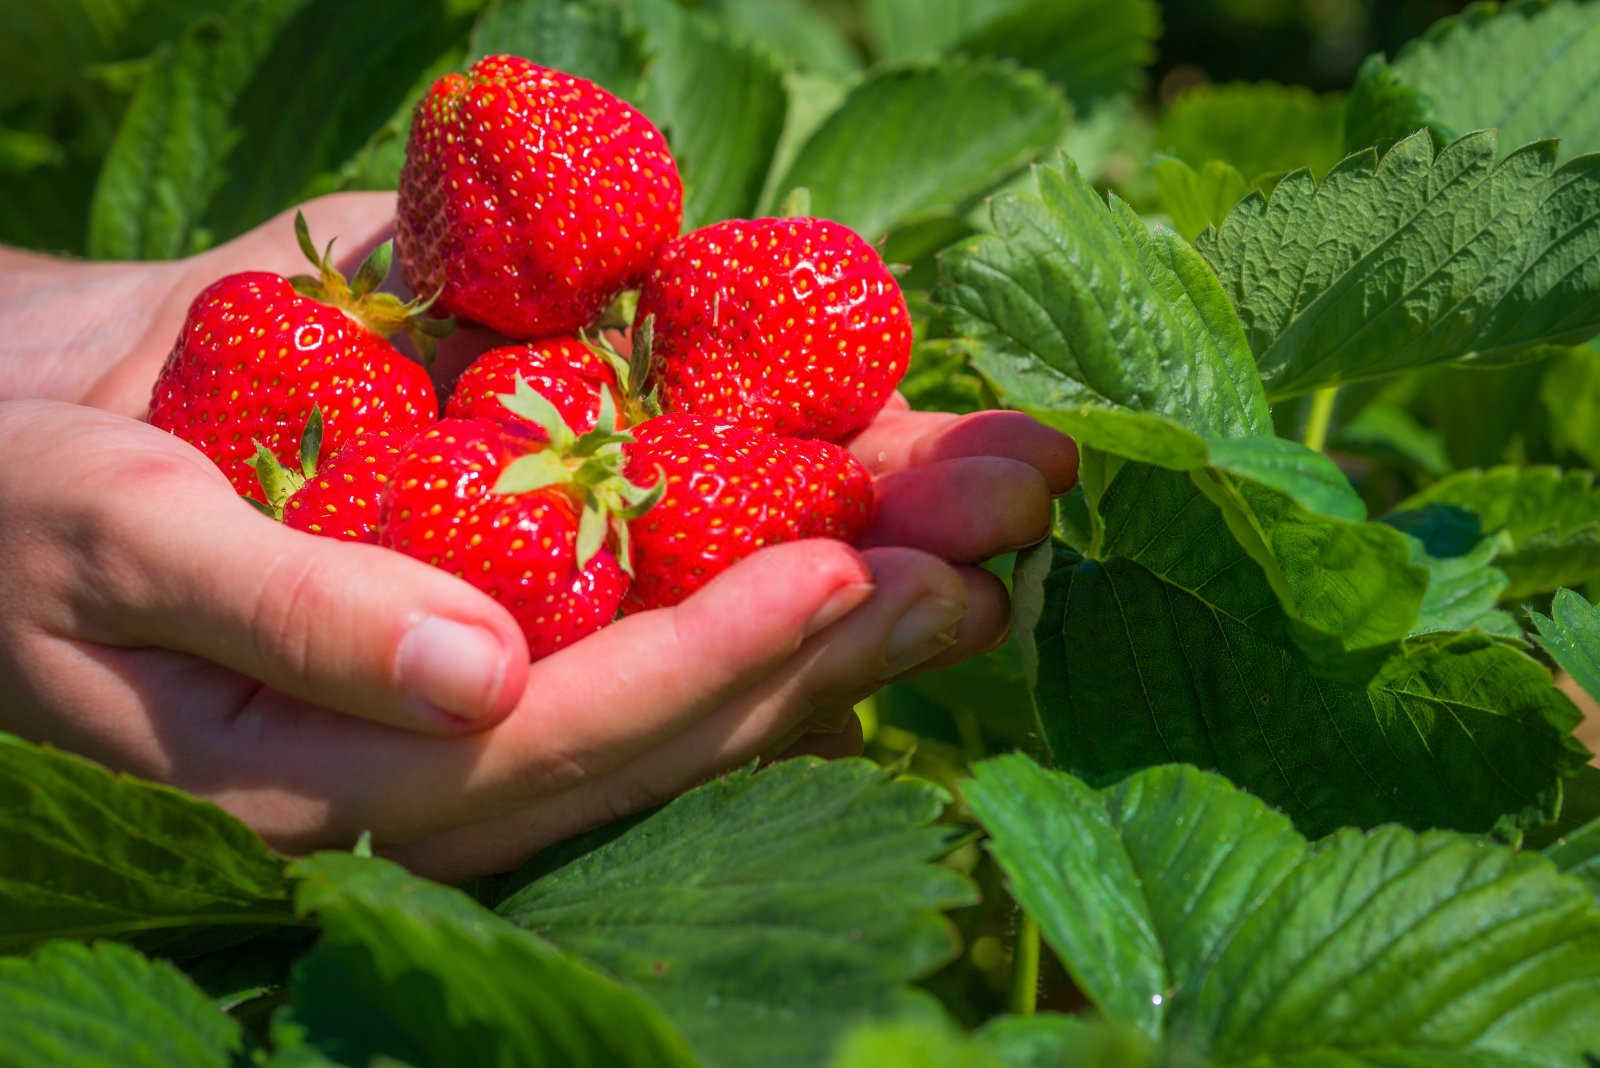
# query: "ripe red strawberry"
[793,326]
[566,371]
[524,514]
[336,497]
[258,351]
[729,491]
[529,198]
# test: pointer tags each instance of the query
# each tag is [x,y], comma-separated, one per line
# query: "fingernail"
[455,667]
[843,601]
[927,629]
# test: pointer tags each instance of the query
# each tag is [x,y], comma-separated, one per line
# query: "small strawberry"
[565,371]
[258,351]
[533,517]
[338,497]
[531,197]
[793,326]
[730,490]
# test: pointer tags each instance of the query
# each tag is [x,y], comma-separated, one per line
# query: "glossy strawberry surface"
[520,548]
[565,371]
[341,499]
[531,197]
[730,491]
[252,359]
[793,326]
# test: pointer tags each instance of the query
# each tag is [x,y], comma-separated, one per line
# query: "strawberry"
[337,498]
[258,351]
[529,198]
[566,371]
[793,326]
[730,490]
[533,517]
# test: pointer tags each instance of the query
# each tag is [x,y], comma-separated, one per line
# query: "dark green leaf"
[105,1006]
[913,142]
[1186,656]
[1578,854]
[1525,67]
[85,853]
[589,41]
[413,970]
[1548,520]
[1463,592]
[167,161]
[766,913]
[1569,390]
[796,29]
[1411,260]
[721,101]
[1187,909]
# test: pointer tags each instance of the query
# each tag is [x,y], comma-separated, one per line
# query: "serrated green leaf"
[1526,68]
[1187,909]
[105,1006]
[441,980]
[1415,259]
[1548,521]
[85,853]
[1571,635]
[168,158]
[586,40]
[721,101]
[1096,50]
[1185,655]
[1071,307]
[1260,129]
[365,68]
[909,143]
[1195,200]
[766,913]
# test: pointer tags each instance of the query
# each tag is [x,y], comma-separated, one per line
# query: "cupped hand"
[152,620]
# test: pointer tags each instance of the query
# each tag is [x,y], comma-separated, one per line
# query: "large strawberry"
[794,326]
[566,371]
[258,351]
[531,197]
[336,497]
[533,517]
[730,490]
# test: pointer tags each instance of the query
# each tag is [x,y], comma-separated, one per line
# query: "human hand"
[153,621]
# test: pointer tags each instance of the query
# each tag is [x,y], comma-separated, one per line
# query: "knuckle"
[294,591]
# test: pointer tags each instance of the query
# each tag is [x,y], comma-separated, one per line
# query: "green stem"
[1320,418]
[1025,968]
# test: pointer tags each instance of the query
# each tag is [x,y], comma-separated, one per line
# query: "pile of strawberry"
[568,482]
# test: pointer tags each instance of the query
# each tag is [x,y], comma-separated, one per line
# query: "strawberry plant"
[1286,760]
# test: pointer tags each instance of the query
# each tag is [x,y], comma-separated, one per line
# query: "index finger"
[900,439]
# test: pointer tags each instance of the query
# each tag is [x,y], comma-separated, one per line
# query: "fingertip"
[1016,436]
[459,676]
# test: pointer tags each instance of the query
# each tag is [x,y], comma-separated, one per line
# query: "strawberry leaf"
[498,996]
[1525,67]
[85,853]
[105,1006]
[806,884]
[1261,130]
[1188,910]
[1571,635]
[1413,259]
[1195,200]
[586,40]
[910,143]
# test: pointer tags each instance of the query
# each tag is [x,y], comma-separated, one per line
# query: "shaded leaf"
[1259,129]
[440,980]
[1412,260]
[85,853]
[1237,941]
[766,913]
[1548,521]
[1463,592]
[105,1005]
[1195,200]
[795,29]
[586,40]
[1525,67]
[908,143]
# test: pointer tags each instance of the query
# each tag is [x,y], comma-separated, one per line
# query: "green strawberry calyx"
[382,313]
[587,465]
[279,482]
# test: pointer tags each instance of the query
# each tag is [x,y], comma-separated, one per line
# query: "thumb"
[353,628]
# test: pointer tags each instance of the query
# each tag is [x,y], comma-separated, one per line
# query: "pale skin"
[152,620]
